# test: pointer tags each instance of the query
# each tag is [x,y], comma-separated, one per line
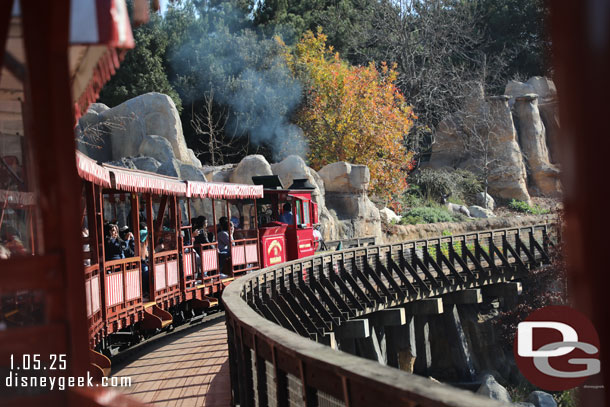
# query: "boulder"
[389,216]
[93,136]
[516,88]
[249,166]
[220,173]
[357,215]
[492,389]
[480,212]
[294,167]
[97,108]
[191,173]
[146,164]
[542,86]
[345,187]
[523,404]
[125,162]
[151,113]
[544,175]
[291,168]
[170,168]
[485,200]
[541,399]
[344,177]
[193,158]
[156,147]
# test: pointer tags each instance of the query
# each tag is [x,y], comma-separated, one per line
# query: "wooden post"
[46,33]
[151,246]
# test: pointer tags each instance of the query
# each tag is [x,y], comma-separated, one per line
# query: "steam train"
[168,278]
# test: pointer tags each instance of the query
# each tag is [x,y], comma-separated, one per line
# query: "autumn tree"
[352,113]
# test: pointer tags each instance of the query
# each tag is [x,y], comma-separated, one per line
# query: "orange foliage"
[353,114]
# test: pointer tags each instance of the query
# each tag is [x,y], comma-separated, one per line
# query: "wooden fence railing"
[310,297]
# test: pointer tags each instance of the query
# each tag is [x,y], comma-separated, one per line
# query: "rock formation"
[508,177]
[346,194]
[492,389]
[142,133]
[483,135]
[250,166]
[544,175]
[513,148]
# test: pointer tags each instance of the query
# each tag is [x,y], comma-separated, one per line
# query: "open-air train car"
[166,277]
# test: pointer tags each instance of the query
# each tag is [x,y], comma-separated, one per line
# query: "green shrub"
[468,185]
[524,207]
[424,214]
[432,184]
[412,197]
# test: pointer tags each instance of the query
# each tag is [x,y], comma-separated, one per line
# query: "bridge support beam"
[430,306]
[458,344]
[374,346]
[508,292]
[402,345]
[470,296]
[423,361]
[347,333]
[416,353]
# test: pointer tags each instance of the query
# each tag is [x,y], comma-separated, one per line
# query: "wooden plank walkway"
[190,369]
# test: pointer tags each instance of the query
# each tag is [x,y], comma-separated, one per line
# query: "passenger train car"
[167,277]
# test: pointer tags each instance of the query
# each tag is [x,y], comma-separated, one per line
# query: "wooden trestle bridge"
[283,321]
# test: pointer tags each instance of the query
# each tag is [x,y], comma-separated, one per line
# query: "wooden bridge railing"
[311,297]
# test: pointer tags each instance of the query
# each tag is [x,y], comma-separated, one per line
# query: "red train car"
[183,243]
[166,277]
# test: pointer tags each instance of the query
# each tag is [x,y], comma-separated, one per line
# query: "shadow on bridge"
[189,368]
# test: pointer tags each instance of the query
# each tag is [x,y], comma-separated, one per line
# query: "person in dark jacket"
[201,232]
[114,246]
[129,249]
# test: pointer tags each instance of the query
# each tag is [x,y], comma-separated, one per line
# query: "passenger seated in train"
[130,244]
[144,258]
[225,237]
[200,231]
[235,221]
[287,216]
[114,246]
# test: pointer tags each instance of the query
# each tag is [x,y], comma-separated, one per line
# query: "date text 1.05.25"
[39,362]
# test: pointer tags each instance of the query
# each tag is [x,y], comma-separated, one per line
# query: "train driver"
[287,216]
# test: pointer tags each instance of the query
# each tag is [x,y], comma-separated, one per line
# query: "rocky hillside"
[145,133]
[511,140]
